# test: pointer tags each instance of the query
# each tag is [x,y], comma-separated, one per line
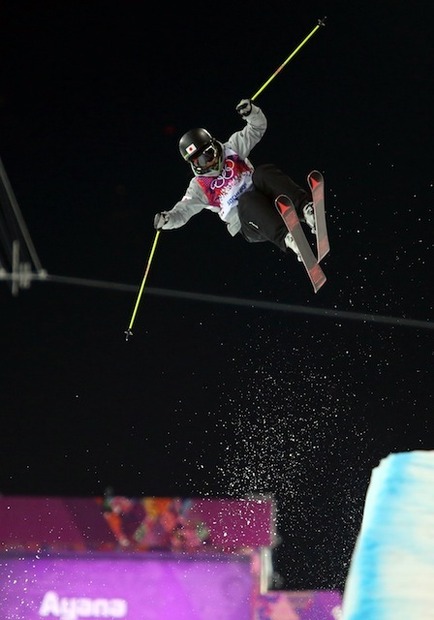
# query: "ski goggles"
[206,157]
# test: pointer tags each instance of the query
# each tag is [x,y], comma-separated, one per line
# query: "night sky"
[238,380]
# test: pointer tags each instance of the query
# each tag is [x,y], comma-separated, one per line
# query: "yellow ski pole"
[321,22]
[129,332]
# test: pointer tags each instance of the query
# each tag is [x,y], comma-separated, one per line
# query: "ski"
[316,184]
[286,208]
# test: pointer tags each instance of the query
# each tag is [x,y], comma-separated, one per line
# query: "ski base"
[316,184]
[285,207]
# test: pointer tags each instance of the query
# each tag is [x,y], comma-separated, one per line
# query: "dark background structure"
[238,379]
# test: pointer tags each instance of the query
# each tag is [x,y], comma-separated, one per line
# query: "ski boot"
[309,217]
[290,243]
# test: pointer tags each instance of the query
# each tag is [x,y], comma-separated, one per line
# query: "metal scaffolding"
[19,262]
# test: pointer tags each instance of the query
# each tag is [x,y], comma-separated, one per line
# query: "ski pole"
[129,332]
[321,22]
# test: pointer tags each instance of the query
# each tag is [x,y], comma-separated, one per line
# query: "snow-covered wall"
[391,574]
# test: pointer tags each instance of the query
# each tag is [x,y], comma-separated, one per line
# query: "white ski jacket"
[220,193]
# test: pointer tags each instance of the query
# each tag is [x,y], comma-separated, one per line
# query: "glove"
[160,219]
[244,107]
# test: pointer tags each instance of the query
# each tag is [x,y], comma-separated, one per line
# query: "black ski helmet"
[194,141]
[199,148]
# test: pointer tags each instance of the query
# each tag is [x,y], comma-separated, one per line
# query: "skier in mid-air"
[226,182]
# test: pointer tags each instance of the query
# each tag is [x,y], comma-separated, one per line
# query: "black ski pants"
[260,220]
